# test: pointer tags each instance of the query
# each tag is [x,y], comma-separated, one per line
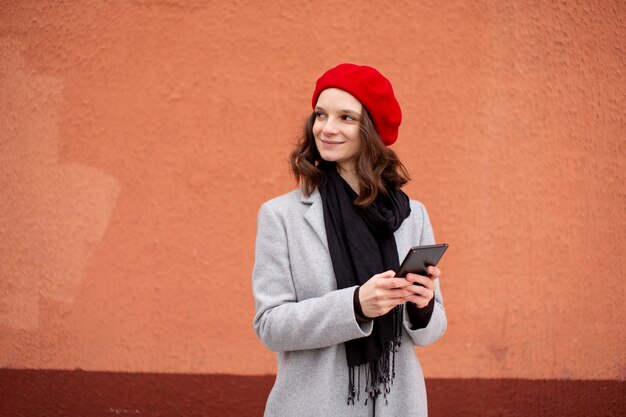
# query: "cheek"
[355,137]
[317,128]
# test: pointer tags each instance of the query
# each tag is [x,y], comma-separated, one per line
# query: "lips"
[331,142]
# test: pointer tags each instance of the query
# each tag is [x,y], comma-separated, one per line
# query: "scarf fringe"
[379,373]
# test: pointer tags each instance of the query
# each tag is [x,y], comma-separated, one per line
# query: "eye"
[349,118]
[320,115]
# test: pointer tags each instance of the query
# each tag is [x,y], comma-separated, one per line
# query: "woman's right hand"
[381,293]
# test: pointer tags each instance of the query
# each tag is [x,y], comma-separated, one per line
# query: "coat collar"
[315,215]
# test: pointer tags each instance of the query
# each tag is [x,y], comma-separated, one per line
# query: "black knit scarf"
[361,245]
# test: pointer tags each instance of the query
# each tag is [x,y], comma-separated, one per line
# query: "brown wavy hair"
[376,166]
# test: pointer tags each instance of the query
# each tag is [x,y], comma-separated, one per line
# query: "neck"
[348,173]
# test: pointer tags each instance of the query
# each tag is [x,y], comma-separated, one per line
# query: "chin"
[329,158]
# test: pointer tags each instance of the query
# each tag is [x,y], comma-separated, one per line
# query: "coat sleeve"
[437,325]
[282,322]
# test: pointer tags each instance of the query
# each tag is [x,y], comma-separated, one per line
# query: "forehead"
[332,98]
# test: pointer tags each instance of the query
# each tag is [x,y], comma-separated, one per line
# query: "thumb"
[388,274]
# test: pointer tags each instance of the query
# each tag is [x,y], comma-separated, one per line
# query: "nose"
[329,127]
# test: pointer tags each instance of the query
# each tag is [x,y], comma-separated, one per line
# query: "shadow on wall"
[52,215]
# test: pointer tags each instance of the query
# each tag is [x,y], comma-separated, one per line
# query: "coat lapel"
[405,236]
[315,215]
[403,240]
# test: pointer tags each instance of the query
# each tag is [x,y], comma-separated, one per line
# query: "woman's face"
[336,128]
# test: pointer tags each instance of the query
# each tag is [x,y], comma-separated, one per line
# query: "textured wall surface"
[138,139]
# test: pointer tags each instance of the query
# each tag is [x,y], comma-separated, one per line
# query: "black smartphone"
[420,258]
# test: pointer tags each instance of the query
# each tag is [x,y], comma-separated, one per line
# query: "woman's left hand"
[423,293]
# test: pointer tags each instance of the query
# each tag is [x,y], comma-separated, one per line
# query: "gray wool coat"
[305,319]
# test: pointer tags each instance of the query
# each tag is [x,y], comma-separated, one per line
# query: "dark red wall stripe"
[525,397]
[80,393]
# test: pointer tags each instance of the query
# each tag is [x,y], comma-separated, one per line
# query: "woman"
[327,300]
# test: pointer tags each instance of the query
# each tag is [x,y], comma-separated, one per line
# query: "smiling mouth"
[330,142]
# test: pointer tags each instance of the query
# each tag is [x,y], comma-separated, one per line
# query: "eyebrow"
[342,111]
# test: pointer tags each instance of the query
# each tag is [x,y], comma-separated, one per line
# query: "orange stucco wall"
[138,139]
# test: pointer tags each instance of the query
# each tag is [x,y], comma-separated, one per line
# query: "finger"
[390,283]
[433,271]
[401,293]
[399,301]
[420,289]
[424,292]
[412,277]
[381,295]
[415,289]
[416,299]
[422,295]
[394,296]
[421,280]
[386,274]
[420,302]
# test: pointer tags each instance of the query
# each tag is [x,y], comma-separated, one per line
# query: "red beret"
[372,89]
